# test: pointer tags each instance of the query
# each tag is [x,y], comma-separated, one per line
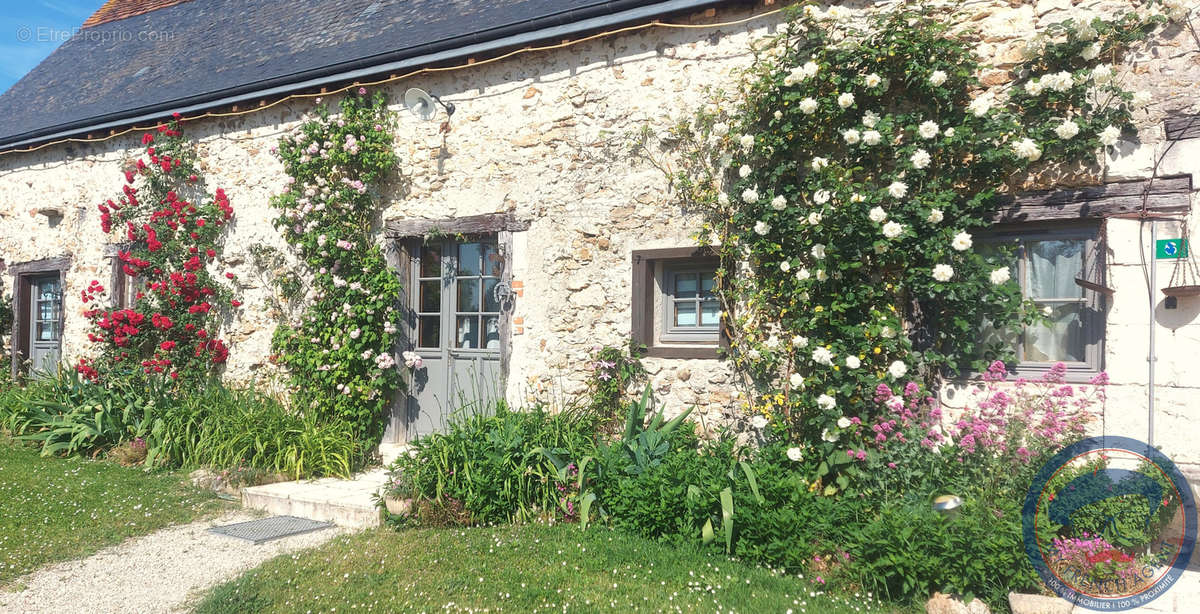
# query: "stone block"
[1022,603]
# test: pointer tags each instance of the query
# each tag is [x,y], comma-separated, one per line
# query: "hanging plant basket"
[1182,291]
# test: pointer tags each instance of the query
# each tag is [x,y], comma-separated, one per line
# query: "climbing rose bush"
[846,186]
[170,232]
[340,350]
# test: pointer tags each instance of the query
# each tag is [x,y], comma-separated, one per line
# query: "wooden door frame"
[23,274]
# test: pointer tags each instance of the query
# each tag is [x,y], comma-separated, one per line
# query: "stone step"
[390,451]
[346,503]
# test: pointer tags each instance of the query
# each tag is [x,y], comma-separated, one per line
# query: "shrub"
[498,467]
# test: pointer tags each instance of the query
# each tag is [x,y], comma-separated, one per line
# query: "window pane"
[468,295]
[468,259]
[1060,338]
[431,296]
[489,295]
[430,334]
[431,261]
[47,331]
[685,313]
[1053,267]
[48,290]
[710,313]
[467,332]
[48,310]
[491,332]
[707,282]
[493,264]
[685,285]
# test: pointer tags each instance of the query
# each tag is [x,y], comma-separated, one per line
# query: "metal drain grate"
[267,529]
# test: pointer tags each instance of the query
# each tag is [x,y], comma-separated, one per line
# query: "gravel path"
[160,572]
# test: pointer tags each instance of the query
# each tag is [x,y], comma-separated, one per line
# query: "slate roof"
[133,63]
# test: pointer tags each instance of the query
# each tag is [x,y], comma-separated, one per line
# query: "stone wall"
[539,135]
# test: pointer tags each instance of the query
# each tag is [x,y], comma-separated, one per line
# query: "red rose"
[167,345]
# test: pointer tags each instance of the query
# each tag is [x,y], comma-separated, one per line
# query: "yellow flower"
[878,349]
[819,308]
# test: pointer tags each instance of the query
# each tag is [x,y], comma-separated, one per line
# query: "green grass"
[530,568]
[56,509]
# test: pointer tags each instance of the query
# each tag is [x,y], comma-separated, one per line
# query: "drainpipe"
[1151,359]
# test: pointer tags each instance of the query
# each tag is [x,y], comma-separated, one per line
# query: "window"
[1050,263]
[676,313]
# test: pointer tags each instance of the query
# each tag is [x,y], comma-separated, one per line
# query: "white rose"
[759,422]
[845,100]
[877,215]
[827,436]
[818,250]
[747,141]
[1090,52]
[1000,275]
[870,118]
[810,69]
[872,137]
[821,276]
[873,80]
[1109,136]
[794,454]
[785,266]
[852,137]
[857,198]
[898,189]
[808,106]
[750,196]
[1033,87]
[799,341]
[762,228]
[1102,73]
[920,159]
[1059,81]
[935,216]
[814,218]
[937,78]
[1067,130]
[961,242]
[980,106]
[821,196]
[744,171]
[802,275]
[819,163]
[796,380]
[778,115]
[772,342]
[779,203]
[897,369]
[892,230]
[1026,148]
[948,131]
[1141,99]
[943,272]
[720,129]
[723,198]
[886,332]
[826,402]
[928,129]
[852,362]
[844,422]
[822,356]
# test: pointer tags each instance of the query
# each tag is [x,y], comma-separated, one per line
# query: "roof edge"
[548,28]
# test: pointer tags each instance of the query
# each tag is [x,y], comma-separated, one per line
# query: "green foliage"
[54,509]
[524,568]
[643,445]
[849,175]
[500,467]
[340,352]
[614,369]
[210,425]
[907,551]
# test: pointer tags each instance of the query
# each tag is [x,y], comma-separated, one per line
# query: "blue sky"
[31,29]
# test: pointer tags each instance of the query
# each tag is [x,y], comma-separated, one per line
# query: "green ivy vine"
[339,351]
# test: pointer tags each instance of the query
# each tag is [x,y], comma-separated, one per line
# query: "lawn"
[56,509]
[530,568]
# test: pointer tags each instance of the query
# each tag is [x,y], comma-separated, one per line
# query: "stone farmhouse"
[523,233]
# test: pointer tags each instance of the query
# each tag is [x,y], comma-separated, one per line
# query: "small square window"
[1050,263]
[676,309]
